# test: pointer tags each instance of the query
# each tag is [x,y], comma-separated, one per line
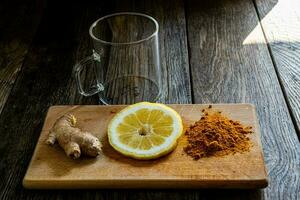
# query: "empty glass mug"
[125,62]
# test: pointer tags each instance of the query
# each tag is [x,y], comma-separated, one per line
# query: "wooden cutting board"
[50,168]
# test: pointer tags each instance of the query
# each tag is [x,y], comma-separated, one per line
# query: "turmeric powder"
[216,135]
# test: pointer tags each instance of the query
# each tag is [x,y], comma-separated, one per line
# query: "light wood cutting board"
[50,168]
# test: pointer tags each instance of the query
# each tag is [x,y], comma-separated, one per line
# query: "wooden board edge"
[149,184]
[260,143]
[25,178]
[120,105]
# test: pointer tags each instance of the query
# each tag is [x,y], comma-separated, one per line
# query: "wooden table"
[224,51]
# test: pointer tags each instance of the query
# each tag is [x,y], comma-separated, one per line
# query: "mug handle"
[98,87]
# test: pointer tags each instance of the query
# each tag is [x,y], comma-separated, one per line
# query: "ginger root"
[72,139]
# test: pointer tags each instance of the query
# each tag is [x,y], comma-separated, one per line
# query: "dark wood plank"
[18,23]
[173,45]
[45,80]
[280,21]
[225,69]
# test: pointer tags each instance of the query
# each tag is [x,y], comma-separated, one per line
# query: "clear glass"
[125,63]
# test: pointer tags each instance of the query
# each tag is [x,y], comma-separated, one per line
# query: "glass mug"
[125,62]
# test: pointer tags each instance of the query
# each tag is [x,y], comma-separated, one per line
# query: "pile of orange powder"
[216,135]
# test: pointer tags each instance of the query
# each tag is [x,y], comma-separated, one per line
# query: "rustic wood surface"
[18,23]
[243,73]
[172,41]
[176,170]
[173,44]
[280,21]
[62,39]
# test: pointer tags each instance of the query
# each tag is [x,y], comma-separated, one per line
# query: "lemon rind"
[158,151]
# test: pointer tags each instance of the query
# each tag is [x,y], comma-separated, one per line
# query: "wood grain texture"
[61,40]
[51,168]
[173,44]
[224,69]
[45,80]
[280,21]
[132,71]
[18,23]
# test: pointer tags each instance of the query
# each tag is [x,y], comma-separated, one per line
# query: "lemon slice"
[145,130]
